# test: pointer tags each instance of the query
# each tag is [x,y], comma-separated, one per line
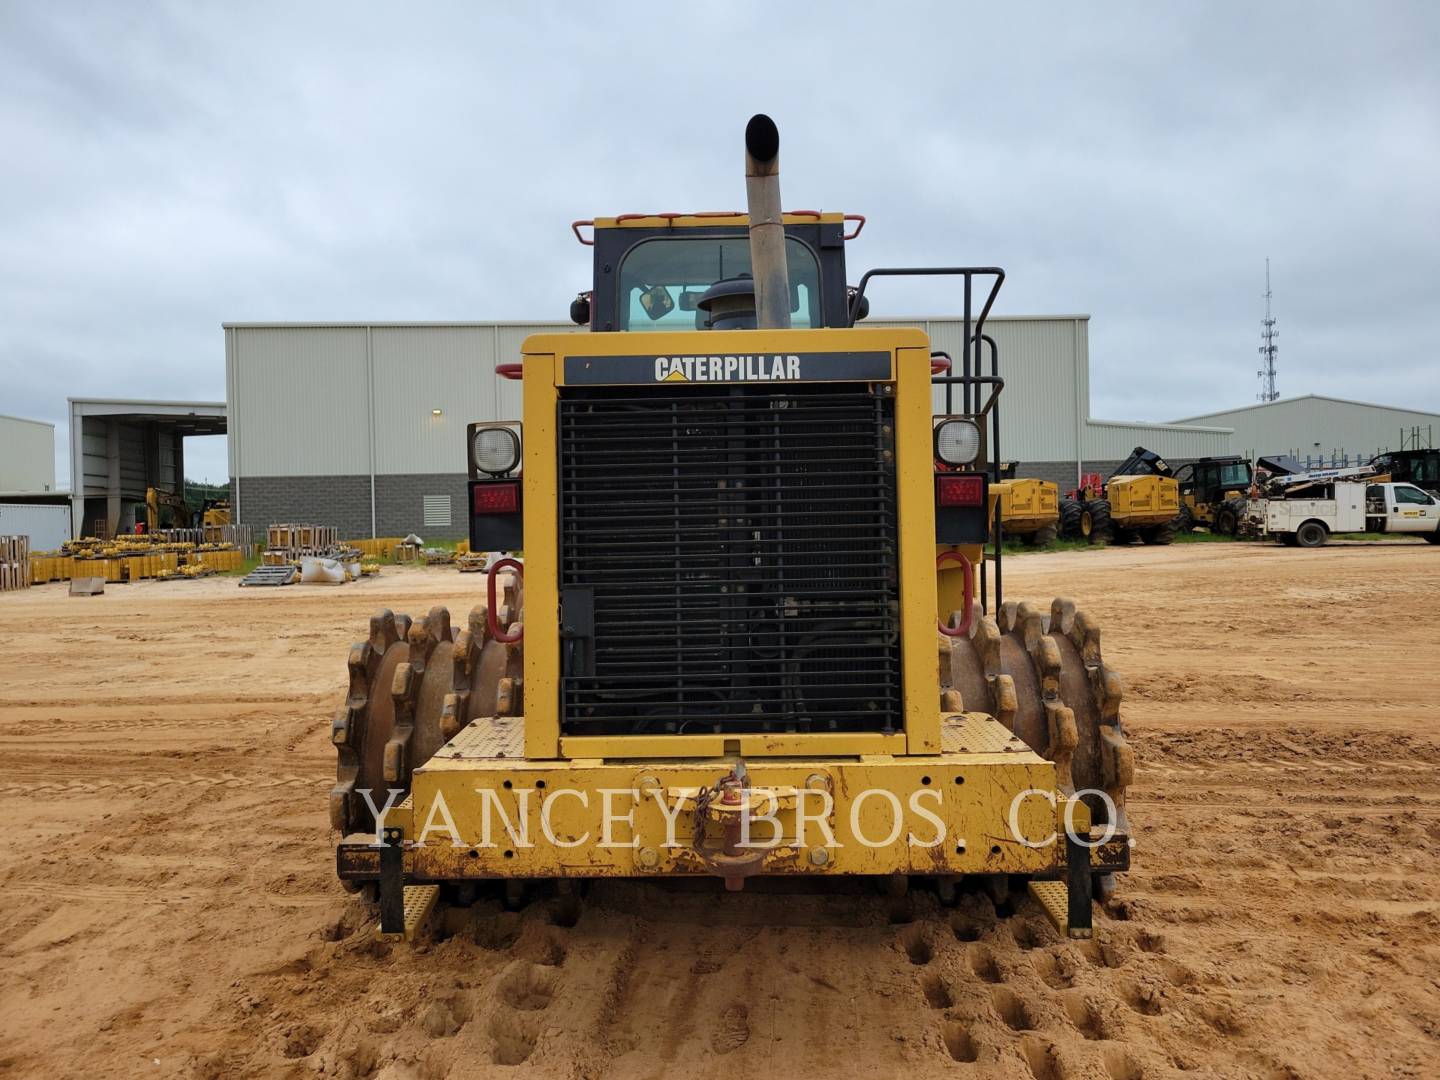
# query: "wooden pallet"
[271,575]
[14,563]
[302,536]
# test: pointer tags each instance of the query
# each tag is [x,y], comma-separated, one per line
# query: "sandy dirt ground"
[169,907]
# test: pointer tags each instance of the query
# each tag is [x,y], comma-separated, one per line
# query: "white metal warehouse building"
[27,455]
[362,425]
[1324,427]
[29,503]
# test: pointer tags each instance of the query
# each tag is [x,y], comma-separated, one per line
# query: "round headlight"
[957,442]
[495,450]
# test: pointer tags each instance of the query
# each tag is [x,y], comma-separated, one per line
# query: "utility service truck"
[1341,506]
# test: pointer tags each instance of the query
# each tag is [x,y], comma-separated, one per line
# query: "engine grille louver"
[728,560]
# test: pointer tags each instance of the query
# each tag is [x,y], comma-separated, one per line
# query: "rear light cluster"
[967,490]
[496,498]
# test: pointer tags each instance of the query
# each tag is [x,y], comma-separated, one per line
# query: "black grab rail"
[970,380]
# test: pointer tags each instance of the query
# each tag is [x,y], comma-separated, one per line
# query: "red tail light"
[500,498]
[966,490]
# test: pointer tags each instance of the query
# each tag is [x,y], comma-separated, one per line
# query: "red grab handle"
[967,594]
[491,607]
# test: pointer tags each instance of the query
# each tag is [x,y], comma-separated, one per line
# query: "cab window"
[661,280]
[1413,495]
[1236,475]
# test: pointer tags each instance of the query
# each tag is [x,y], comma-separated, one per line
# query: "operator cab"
[1209,479]
[669,271]
[1419,467]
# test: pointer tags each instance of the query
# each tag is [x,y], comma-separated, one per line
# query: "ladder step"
[420,902]
[1054,899]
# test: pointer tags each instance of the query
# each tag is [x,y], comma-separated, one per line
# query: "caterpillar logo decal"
[763,368]
[729,368]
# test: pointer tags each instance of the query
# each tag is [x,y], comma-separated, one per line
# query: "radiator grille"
[728,560]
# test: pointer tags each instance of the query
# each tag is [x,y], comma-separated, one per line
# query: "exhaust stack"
[767,229]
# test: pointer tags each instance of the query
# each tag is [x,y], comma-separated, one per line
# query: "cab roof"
[710,219]
[701,218]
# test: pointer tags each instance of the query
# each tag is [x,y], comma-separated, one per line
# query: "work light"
[494,450]
[957,442]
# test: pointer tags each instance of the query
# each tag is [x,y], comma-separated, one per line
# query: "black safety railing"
[971,381]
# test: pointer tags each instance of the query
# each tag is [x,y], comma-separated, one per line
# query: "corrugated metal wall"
[27,455]
[301,403]
[360,400]
[447,368]
[132,461]
[47,526]
[1045,367]
[94,456]
[298,398]
[1324,426]
[1107,441]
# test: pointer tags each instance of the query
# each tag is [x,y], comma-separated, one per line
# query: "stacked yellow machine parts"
[134,558]
[375,548]
[755,581]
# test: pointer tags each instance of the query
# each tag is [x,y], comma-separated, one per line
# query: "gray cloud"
[170,167]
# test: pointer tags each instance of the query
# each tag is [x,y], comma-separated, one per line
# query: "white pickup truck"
[1347,507]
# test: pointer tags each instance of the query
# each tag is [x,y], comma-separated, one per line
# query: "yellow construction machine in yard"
[1028,509]
[161,505]
[1213,492]
[757,635]
[1140,501]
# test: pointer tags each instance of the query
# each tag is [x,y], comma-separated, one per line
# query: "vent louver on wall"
[436,511]
[728,560]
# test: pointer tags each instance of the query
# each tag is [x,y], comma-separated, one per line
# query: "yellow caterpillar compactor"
[758,634]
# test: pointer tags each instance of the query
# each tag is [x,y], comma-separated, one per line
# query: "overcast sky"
[168,167]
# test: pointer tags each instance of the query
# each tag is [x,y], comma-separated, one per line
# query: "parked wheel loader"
[1213,491]
[754,634]
[1029,509]
[1139,501]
